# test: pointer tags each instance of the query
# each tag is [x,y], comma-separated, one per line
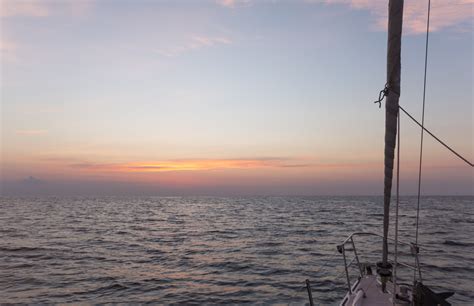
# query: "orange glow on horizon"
[191,165]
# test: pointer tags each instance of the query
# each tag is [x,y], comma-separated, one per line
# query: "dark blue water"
[205,250]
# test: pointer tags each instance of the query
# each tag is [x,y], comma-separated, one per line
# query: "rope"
[382,94]
[396,214]
[436,138]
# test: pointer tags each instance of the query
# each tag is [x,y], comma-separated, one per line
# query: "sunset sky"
[227,97]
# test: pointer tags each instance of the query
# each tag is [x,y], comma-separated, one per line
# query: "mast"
[395,19]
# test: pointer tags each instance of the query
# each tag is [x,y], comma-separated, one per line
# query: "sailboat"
[376,283]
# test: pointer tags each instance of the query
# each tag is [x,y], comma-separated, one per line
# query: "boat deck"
[368,291]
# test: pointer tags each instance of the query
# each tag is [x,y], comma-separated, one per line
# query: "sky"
[227,97]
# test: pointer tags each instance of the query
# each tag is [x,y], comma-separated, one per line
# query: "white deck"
[369,292]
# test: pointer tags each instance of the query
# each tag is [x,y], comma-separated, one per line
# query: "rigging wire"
[422,122]
[396,213]
[436,138]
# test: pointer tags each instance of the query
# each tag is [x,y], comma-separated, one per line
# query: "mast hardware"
[382,94]
[310,295]
[415,249]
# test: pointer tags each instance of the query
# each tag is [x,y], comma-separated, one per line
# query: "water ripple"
[211,250]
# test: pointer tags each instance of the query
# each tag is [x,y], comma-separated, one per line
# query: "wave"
[458,243]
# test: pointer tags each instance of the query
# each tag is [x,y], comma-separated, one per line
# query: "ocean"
[216,250]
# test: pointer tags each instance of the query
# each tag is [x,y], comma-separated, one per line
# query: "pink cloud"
[444,13]
[8,50]
[210,41]
[37,8]
[233,3]
[32,8]
[7,46]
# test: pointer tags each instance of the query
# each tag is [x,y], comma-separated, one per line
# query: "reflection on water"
[207,250]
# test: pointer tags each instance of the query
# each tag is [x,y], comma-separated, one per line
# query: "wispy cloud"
[233,3]
[217,164]
[7,47]
[31,132]
[444,13]
[195,43]
[192,165]
[30,8]
[37,8]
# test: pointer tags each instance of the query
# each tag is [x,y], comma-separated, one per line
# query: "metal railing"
[350,240]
